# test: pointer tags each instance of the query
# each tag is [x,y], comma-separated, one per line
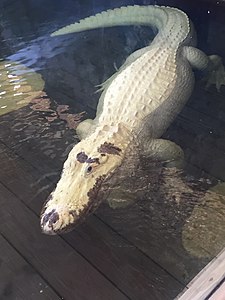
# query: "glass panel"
[151,220]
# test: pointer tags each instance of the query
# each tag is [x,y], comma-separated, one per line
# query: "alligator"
[137,105]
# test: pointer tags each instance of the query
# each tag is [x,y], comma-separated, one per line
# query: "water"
[48,85]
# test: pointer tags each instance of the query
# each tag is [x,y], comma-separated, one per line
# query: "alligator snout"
[49,221]
[56,220]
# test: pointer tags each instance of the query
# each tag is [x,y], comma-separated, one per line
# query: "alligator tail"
[128,15]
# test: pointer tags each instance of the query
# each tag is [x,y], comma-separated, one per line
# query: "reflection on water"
[18,86]
[43,104]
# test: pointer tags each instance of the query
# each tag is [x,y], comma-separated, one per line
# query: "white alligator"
[137,105]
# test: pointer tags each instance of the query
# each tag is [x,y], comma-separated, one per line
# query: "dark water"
[51,87]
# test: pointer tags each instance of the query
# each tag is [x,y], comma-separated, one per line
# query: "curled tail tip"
[56,33]
[61,31]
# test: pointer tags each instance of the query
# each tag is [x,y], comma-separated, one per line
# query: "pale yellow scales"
[137,105]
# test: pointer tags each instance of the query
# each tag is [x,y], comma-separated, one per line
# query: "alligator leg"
[165,151]
[212,65]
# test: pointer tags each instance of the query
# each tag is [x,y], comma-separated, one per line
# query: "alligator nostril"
[54,218]
[51,218]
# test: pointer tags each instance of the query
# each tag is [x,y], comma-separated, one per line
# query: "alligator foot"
[217,75]
[165,151]
[211,65]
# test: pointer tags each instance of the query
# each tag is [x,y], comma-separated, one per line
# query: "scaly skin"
[137,105]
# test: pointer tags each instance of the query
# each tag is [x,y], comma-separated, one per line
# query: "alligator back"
[150,91]
[154,83]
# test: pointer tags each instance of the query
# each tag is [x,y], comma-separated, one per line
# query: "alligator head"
[89,164]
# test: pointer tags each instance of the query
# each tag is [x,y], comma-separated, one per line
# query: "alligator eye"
[89,169]
[91,166]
